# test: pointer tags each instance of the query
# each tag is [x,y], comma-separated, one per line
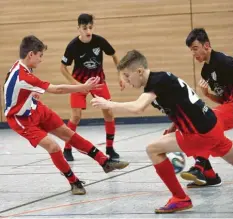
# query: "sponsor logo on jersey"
[219,90]
[82,55]
[92,63]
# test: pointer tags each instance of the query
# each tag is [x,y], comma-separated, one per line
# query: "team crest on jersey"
[96,51]
[214,76]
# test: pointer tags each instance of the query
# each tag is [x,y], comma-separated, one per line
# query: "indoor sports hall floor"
[32,188]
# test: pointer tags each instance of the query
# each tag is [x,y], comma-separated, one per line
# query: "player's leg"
[157,153]
[53,124]
[203,174]
[110,133]
[59,161]
[86,147]
[77,102]
[109,122]
[224,149]
[203,167]
[229,156]
[29,128]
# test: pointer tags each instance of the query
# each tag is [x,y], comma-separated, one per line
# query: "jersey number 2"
[193,97]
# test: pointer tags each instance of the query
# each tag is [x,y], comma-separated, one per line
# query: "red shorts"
[78,100]
[212,143]
[225,113]
[36,126]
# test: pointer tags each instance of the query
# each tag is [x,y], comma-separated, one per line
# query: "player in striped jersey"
[30,118]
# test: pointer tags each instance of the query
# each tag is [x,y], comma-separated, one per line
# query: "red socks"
[88,148]
[72,126]
[63,166]
[109,128]
[204,165]
[166,172]
[209,173]
[110,133]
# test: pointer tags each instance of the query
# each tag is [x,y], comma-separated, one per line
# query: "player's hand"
[93,84]
[170,129]
[204,87]
[36,95]
[100,102]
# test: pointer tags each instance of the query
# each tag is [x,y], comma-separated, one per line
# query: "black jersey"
[219,75]
[87,57]
[175,98]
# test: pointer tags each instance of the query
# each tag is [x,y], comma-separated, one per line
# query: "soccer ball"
[178,161]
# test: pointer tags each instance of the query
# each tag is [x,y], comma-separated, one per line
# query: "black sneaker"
[77,188]
[210,182]
[68,154]
[194,174]
[111,165]
[112,153]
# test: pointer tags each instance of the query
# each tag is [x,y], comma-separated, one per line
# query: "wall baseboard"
[120,120]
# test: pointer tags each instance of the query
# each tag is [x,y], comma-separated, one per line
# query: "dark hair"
[31,43]
[132,57]
[85,19]
[197,34]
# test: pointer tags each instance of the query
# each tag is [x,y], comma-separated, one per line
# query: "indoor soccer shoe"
[194,174]
[111,165]
[68,154]
[112,153]
[77,188]
[210,182]
[175,204]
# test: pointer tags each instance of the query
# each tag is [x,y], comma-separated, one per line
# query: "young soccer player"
[198,130]
[216,73]
[86,50]
[33,120]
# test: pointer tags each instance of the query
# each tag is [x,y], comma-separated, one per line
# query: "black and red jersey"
[182,105]
[219,75]
[87,57]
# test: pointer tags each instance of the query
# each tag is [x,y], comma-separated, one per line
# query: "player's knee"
[53,148]
[67,134]
[75,119]
[153,149]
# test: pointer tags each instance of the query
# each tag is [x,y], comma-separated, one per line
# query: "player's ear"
[207,45]
[30,54]
[140,71]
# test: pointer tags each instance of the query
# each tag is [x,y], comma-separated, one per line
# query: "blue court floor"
[31,187]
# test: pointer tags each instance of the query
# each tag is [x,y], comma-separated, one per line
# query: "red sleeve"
[30,82]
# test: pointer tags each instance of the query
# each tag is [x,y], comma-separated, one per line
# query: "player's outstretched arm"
[91,84]
[137,106]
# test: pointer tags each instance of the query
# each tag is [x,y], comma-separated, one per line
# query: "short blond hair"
[133,58]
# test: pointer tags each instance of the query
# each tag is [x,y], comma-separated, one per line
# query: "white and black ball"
[178,161]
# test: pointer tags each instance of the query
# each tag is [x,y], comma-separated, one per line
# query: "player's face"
[134,78]
[199,50]
[35,59]
[85,32]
